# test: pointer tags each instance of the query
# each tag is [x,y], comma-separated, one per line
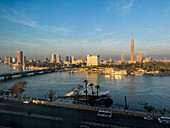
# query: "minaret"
[132,50]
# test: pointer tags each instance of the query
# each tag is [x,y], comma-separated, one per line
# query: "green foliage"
[149,66]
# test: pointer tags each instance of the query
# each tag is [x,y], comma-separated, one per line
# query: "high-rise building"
[93,60]
[45,59]
[139,57]
[123,58]
[24,59]
[8,60]
[70,59]
[58,58]
[67,58]
[53,58]
[132,51]
[19,57]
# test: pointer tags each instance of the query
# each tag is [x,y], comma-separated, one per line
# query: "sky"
[81,27]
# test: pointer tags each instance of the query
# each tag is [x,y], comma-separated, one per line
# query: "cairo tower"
[132,50]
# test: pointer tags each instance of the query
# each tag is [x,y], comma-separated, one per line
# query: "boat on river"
[82,93]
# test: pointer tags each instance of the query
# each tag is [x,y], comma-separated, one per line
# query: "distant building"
[139,57]
[14,60]
[93,60]
[19,57]
[53,58]
[122,58]
[73,60]
[58,58]
[149,59]
[70,59]
[132,51]
[8,60]
[67,58]
[45,59]
[110,60]
[24,59]
[31,61]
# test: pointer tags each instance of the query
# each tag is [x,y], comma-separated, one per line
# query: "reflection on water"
[93,78]
[115,76]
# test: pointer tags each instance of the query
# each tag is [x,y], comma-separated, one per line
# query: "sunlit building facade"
[132,51]
[139,57]
[122,58]
[93,60]
[19,57]
[58,58]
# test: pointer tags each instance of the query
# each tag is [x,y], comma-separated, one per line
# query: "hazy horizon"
[78,28]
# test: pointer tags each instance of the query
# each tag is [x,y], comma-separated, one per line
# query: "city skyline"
[79,28]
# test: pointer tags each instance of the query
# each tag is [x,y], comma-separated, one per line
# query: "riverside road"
[64,117]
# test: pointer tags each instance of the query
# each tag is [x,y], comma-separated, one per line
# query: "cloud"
[17,17]
[122,7]
[99,29]
[126,7]
[166,12]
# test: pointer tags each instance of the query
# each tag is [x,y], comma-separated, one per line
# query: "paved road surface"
[70,118]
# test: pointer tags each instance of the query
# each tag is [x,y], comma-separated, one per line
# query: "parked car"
[26,101]
[147,117]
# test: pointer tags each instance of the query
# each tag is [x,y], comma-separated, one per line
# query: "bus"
[164,120]
[103,113]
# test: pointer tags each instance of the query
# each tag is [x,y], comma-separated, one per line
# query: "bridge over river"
[8,76]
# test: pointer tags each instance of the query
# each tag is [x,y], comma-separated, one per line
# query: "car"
[164,122]
[84,126]
[103,113]
[147,117]
[26,101]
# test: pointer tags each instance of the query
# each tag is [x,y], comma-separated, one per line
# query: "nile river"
[138,89]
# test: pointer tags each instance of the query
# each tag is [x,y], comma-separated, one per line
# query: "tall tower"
[19,57]
[132,50]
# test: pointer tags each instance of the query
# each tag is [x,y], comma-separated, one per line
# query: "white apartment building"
[93,60]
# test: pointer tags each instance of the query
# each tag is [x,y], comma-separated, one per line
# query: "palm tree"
[85,81]
[91,85]
[97,87]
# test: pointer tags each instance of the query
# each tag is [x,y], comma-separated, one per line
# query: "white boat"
[82,93]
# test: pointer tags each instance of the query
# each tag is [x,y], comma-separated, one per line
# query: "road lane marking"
[101,124]
[31,115]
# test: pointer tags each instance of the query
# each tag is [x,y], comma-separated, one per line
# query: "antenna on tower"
[132,35]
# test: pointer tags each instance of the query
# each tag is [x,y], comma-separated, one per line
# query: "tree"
[18,88]
[91,85]
[97,87]
[85,91]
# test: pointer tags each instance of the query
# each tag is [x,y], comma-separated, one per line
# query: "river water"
[138,89]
